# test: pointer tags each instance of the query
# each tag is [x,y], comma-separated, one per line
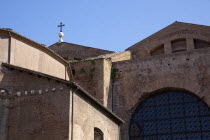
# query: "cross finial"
[61,34]
[61,26]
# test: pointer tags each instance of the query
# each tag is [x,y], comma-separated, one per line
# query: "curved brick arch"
[165,83]
[175,83]
[157,91]
[172,83]
[163,89]
[188,90]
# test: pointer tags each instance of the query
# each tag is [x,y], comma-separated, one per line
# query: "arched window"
[158,50]
[179,45]
[98,134]
[171,115]
[201,44]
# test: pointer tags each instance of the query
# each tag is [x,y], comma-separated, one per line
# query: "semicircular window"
[171,115]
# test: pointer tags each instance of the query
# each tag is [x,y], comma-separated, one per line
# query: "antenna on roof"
[61,34]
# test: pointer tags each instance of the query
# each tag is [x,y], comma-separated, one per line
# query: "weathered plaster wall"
[138,78]
[4,46]
[70,51]
[94,77]
[107,69]
[86,117]
[30,57]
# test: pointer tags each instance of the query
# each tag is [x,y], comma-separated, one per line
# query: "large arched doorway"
[171,115]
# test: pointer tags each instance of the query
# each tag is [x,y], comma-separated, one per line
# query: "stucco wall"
[4,43]
[30,57]
[86,117]
[138,78]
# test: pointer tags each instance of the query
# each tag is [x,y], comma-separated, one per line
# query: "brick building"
[40,101]
[159,87]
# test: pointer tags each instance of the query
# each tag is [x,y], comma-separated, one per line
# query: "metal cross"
[61,26]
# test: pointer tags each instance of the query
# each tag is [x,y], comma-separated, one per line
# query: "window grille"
[172,115]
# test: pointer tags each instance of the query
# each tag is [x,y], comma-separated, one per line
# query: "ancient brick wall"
[41,108]
[136,79]
[94,77]
[89,75]
[167,35]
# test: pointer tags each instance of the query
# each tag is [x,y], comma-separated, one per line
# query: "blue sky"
[106,24]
